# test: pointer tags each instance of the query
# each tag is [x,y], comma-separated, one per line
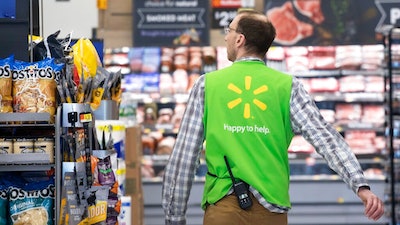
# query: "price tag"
[222,17]
[85,117]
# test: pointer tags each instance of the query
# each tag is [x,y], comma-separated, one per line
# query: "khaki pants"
[227,212]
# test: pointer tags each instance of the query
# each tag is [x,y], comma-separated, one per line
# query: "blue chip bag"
[33,202]
[3,204]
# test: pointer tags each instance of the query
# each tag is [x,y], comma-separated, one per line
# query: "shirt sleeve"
[329,143]
[180,169]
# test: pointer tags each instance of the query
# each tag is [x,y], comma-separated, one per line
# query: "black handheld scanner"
[240,188]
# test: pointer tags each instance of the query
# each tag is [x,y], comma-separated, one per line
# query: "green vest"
[247,118]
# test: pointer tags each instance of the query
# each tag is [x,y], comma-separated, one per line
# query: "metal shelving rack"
[11,124]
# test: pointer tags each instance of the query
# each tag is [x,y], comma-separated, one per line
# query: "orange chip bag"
[6,84]
[34,87]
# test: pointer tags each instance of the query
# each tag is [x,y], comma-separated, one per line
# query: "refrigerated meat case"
[391,42]
[336,204]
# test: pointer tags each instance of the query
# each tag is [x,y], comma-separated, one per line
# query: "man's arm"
[307,120]
[180,169]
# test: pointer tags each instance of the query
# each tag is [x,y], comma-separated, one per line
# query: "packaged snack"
[32,204]
[86,59]
[97,198]
[3,204]
[34,86]
[6,84]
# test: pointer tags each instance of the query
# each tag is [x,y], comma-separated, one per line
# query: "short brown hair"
[259,33]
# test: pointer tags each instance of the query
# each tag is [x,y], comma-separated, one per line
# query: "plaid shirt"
[305,120]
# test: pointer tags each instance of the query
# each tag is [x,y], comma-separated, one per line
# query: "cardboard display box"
[133,181]
[117,16]
[115,38]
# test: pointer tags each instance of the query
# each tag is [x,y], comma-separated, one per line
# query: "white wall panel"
[76,16]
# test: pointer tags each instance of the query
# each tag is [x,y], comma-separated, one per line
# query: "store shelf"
[316,73]
[349,97]
[25,159]
[27,119]
[26,167]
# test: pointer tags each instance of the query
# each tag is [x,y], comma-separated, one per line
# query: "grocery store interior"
[92,94]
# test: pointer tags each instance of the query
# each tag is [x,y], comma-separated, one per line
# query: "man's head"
[249,34]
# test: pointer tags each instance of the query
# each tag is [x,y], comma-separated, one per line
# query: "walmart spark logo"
[247,85]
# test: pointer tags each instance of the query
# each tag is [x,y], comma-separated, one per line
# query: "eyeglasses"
[228,29]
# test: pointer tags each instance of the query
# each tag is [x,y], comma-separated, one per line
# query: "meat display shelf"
[360,126]
[330,73]
[349,97]
[159,98]
[379,72]
[316,73]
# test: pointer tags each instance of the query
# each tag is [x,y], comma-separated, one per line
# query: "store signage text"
[390,13]
[170,18]
[223,16]
[171,4]
[233,3]
[170,22]
[394,15]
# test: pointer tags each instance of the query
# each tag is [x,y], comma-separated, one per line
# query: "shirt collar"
[249,58]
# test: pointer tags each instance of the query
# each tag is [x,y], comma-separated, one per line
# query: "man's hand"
[374,207]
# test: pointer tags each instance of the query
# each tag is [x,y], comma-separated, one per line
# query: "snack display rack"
[34,126]
[68,117]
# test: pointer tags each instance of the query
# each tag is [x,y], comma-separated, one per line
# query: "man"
[248,114]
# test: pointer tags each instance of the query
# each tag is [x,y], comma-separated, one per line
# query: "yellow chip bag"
[86,59]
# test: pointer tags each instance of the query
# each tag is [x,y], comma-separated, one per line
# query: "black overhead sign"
[170,23]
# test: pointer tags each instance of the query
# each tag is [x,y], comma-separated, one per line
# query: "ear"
[240,40]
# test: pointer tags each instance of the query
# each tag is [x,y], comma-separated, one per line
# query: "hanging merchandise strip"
[83,175]
[85,119]
[72,119]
